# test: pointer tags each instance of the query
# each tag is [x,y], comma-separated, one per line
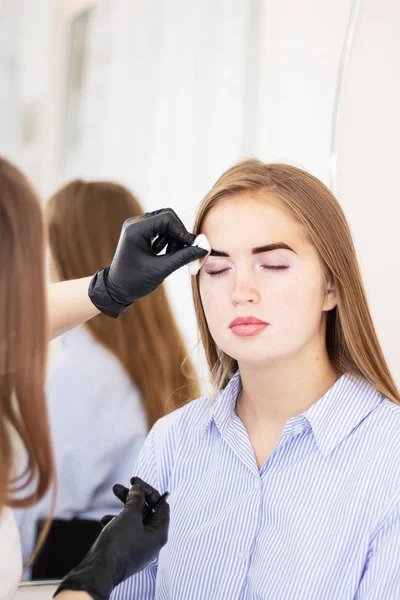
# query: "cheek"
[298,305]
[211,299]
[214,299]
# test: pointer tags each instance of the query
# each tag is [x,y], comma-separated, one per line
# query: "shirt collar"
[223,406]
[332,417]
[340,410]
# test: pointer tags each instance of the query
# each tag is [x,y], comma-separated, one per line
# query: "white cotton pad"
[195,266]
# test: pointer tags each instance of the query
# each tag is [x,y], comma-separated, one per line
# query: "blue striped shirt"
[319,521]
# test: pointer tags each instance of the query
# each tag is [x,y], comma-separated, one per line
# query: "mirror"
[158,99]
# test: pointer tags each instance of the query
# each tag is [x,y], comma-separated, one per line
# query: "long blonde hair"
[84,221]
[351,340]
[23,342]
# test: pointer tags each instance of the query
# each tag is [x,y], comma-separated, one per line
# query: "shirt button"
[241,555]
[257,484]
[298,429]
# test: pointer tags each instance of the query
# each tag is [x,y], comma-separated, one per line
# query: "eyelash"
[271,268]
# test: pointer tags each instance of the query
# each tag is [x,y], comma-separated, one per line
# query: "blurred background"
[162,96]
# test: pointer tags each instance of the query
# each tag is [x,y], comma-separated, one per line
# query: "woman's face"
[263,267]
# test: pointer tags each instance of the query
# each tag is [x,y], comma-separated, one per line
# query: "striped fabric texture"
[319,521]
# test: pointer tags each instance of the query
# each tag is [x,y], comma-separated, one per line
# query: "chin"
[255,361]
[254,356]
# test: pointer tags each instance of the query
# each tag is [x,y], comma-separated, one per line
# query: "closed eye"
[274,268]
[216,272]
[269,267]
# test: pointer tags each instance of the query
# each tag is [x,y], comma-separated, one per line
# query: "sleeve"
[142,585]
[381,574]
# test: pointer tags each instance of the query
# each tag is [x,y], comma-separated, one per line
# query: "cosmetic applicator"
[201,241]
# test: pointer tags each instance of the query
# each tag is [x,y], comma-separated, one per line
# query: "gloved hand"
[125,546]
[136,270]
[121,492]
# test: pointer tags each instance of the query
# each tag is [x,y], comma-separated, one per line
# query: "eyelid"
[211,257]
[218,263]
[273,259]
[275,267]
[215,270]
[215,273]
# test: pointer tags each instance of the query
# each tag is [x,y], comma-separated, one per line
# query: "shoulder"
[84,359]
[383,460]
[390,412]
[185,422]
[381,449]
[386,421]
[180,432]
[87,374]
[382,414]
[172,440]
[184,430]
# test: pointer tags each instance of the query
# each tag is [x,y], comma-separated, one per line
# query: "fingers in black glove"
[165,223]
[180,258]
[169,245]
[121,492]
[137,270]
[152,496]
[104,521]
[170,232]
[124,547]
[163,240]
[159,244]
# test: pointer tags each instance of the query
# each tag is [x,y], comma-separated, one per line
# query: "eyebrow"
[258,250]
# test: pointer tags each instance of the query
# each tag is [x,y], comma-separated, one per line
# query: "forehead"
[251,220]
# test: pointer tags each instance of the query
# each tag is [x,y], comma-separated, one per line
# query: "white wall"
[165,106]
[301,49]
[24,97]
[179,90]
[368,162]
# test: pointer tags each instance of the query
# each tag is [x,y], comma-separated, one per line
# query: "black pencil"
[163,497]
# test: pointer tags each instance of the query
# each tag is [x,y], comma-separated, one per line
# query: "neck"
[273,393]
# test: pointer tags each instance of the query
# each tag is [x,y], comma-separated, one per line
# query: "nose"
[244,291]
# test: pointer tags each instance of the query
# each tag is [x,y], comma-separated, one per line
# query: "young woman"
[296,461]
[135,271]
[104,393]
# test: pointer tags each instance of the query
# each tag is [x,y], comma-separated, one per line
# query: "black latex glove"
[121,492]
[136,270]
[125,546]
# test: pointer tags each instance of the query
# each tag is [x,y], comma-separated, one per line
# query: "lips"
[247,326]
[246,321]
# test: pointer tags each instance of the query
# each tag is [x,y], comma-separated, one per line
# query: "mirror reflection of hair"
[146,338]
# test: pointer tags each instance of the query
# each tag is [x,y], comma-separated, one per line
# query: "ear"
[330,300]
